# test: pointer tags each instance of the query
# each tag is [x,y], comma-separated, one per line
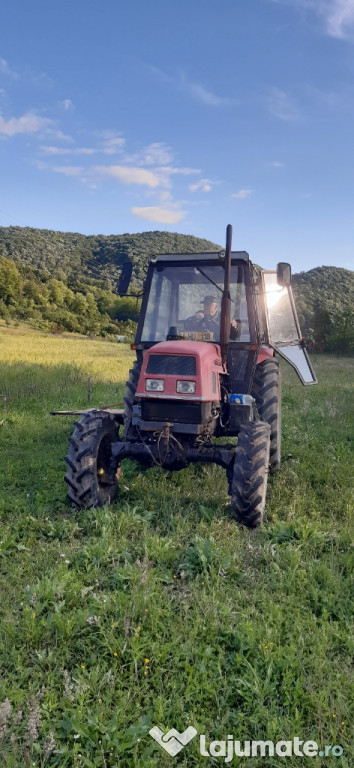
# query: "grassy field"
[160,610]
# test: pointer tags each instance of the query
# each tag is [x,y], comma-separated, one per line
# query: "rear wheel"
[92,475]
[250,474]
[267,393]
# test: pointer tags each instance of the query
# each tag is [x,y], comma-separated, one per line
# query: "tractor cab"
[183,301]
[177,292]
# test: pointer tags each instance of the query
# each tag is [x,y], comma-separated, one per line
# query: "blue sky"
[183,116]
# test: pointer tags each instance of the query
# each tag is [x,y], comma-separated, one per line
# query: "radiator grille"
[175,365]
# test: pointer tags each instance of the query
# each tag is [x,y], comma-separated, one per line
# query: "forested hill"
[322,295]
[68,255]
[67,281]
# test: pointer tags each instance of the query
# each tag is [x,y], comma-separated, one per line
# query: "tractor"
[205,385]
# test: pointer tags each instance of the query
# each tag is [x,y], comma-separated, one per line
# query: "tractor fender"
[264,354]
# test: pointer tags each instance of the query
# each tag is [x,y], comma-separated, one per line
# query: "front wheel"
[92,475]
[250,474]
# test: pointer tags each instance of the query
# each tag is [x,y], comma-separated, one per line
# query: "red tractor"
[204,370]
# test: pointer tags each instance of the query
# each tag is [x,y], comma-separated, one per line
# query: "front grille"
[171,410]
[175,365]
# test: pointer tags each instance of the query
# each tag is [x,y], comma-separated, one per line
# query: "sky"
[184,116]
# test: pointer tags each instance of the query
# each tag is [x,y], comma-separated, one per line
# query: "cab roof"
[208,255]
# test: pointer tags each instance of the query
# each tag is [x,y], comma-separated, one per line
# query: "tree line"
[67,281]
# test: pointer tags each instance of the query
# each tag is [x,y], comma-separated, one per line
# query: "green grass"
[245,633]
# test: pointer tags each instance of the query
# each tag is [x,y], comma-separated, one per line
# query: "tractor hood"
[181,370]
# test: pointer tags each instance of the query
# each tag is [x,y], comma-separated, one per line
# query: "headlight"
[186,387]
[154,385]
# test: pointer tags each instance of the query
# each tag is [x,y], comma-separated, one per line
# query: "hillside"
[64,280]
[67,255]
[330,288]
[68,280]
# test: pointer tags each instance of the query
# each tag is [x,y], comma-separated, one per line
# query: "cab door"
[283,327]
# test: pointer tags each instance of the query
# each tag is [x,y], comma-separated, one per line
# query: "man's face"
[211,309]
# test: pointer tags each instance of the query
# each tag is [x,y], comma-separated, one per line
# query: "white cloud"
[182,171]
[28,123]
[69,170]
[157,154]
[276,164]
[242,193]
[200,93]
[66,104]
[165,172]
[59,135]
[281,105]
[112,142]
[196,90]
[5,69]
[49,150]
[128,175]
[337,15]
[158,215]
[205,185]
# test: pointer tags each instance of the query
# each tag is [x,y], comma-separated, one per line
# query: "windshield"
[185,301]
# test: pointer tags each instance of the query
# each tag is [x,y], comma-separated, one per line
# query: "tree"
[10,280]
[321,324]
[341,337]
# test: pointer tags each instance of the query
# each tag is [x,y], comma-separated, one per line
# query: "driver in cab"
[208,319]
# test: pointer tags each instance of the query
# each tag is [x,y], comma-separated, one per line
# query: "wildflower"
[5,712]
[93,620]
[76,736]
[34,721]
[146,661]
[115,653]
[49,746]
[333,715]
[68,685]
[83,666]
[18,717]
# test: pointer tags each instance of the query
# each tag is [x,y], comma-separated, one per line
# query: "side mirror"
[284,274]
[124,279]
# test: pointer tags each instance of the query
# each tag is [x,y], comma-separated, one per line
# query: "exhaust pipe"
[226,299]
